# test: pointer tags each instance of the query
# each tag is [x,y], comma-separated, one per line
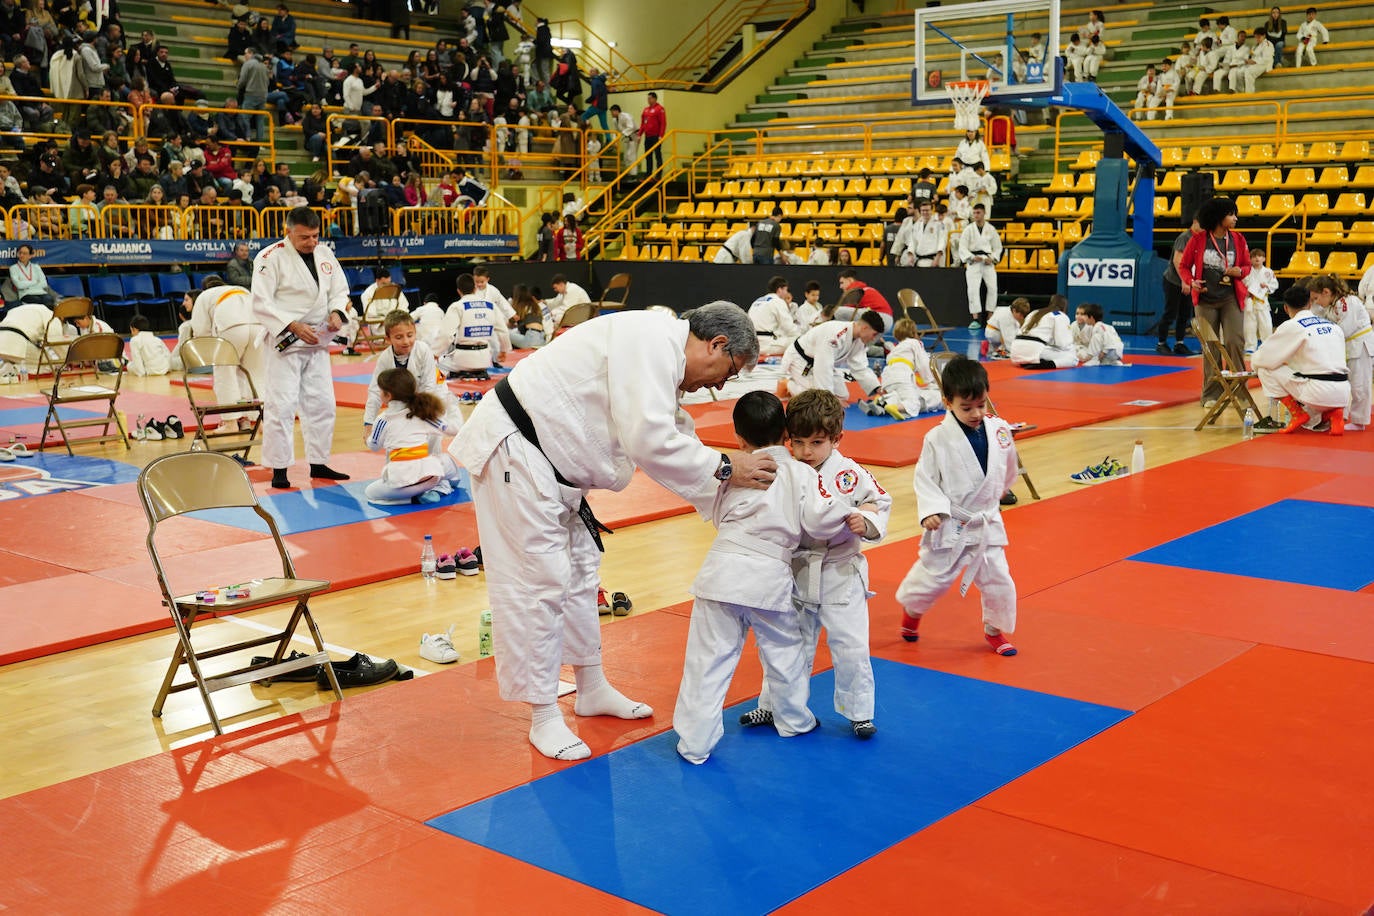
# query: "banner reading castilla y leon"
[136,252]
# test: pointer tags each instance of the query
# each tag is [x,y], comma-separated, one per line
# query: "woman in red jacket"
[1213,266]
[567,241]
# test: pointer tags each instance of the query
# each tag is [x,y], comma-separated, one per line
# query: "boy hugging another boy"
[832,574]
[746,581]
[966,464]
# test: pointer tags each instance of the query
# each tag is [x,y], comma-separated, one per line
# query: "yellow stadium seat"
[1039,233]
[772,188]
[1279,204]
[704,210]
[1171,156]
[718,232]
[1047,260]
[689,253]
[1086,159]
[883,165]
[1259,154]
[744,209]
[879,187]
[1361,234]
[1064,208]
[830,209]
[1085,208]
[942,187]
[628,252]
[684,210]
[999,161]
[1355,151]
[901,186]
[1342,263]
[796,168]
[1198,155]
[792,188]
[712,189]
[758,169]
[1071,232]
[1327,232]
[738,169]
[1173,209]
[1299,179]
[725,209]
[1018,259]
[751,188]
[809,209]
[1229,155]
[1333,178]
[1171,183]
[1266,180]
[873,232]
[777,168]
[1013,232]
[856,187]
[877,209]
[1036,206]
[1233,180]
[802,232]
[1291,153]
[657,232]
[789,208]
[817,167]
[1248,205]
[850,233]
[841,167]
[1368,264]
[1061,184]
[1303,263]
[711,253]
[1316,204]
[730,190]
[695,232]
[907,165]
[934,163]
[834,187]
[853,209]
[811,188]
[1352,203]
[868,257]
[1364,177]
[1161,205]
[827,234]
[1322,151]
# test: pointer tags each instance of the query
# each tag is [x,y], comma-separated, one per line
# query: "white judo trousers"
[542,567]
[230,386]
[717,632]
[299,383]
[978,275]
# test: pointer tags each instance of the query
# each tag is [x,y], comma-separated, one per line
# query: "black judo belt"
[506,395]
[810,360]
[14,330]
[1323,376]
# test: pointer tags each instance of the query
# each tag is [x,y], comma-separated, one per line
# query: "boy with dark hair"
[832,575]
[810,310]
[966,464]
[407,351]
[746,581]
[148,355]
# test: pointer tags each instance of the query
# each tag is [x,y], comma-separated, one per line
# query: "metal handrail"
[251,149]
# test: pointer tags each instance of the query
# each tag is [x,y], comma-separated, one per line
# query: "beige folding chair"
[185,482]
[916,309]
[76,381]
[575,314]
[385,298]
[1234,380]
[51,351]
[618,282]
[199,357]
[938,362]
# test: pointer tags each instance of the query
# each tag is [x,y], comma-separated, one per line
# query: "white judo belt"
[814,559]
[965,519]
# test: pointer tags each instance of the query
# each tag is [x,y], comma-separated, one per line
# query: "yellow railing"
[76,113]
[241,150]
[339,154]
[490,220]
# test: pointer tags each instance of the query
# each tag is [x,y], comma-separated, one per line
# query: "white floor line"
[1100,427]
[304,639]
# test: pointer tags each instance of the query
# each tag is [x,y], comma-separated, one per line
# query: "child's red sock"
[999,644]
[910,625]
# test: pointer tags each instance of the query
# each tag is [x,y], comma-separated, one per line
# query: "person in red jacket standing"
[568,243]
[1214,263]
[653,124]
[869,298]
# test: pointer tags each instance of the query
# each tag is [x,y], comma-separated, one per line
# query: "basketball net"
[967,96]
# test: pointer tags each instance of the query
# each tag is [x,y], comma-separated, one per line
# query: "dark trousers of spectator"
[1178,311]
[653,154]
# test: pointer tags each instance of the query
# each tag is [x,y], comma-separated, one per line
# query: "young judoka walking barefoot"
[966,464]
[746,581]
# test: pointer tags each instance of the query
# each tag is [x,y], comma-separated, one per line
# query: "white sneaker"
[438,648]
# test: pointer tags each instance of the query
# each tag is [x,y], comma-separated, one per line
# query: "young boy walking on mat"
[832,575]
[966,464]
[746,581]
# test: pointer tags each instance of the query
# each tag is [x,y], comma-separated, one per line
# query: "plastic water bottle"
[427,561]
[23,372]
[1138,457]
[484,635]
[1248,429]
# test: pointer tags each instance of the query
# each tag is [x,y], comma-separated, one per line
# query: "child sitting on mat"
[908,384]
[406,352]
[408,420]
[1004,325]
[746,581]
[832,575]
[148,355]
[1045,341]
[966,464]
[1096,343]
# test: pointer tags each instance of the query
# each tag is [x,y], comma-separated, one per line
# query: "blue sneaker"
[1109,469]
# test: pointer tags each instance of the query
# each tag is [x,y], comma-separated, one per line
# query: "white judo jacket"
[826,568]
[834,348]
[950,482]
[749,562]
[284,291]
[603,398]
[422,364]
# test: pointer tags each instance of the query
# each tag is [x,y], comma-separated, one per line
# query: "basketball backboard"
[988,40]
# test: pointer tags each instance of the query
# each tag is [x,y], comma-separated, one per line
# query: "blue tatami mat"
[364,378]
[1103,375]
[854,418]
[325,507]
[766,819]
[23,416]
[1255,544]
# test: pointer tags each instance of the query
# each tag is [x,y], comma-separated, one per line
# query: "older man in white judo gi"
[580,414]
[296,283]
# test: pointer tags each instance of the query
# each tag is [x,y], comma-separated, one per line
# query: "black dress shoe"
[325,472]
[300,675]
[358,671]
[1008,499]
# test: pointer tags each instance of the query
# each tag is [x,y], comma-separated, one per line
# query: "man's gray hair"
[721,318]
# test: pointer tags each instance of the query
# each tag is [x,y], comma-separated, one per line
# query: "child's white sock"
[551,736]
[596,696]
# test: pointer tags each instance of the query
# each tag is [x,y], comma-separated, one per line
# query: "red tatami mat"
[16,568]
[44,616]
[976,862]
[1258,770]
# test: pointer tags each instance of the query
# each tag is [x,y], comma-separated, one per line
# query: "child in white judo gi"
[1096,342]
[148,355]
[475,333]
[966,464]
[406,351]
[908,384]
[772,318]
[832,575]
[809,310]
[820,357]
[1302,364]
[409,419]
[1260,284]
[1045,340]
[1004,325]
[429,322]
[746,581]
[1333,300]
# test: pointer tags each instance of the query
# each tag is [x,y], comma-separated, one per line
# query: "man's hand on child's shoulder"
[932,522]
[752,470]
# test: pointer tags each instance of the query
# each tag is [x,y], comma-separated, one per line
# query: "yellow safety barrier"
[242,150]
[347,133]
[93,115]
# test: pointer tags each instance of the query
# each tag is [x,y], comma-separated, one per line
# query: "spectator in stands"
[263,43]
[354,90]
[1093,27]
[1074,54]
[11,195]
[271,199]
[1092,58]
[164,84]
[597,96]
[27,277]
[1165,91]
[116,221]
[1276,30]
[1310,34]
[1208,60]
[12,27]
[198,178]
[173,180]
[253,85]
[972,150]
[543,50]
[26,83]
[284,28]
[143,179]
[219,161]
[1233,63]
[1213,264]
[540,98]
[81,162]
[240,40]
[288,93]
[568,243]
[1260,62]
[653,126]
[313,129]
[1145,89]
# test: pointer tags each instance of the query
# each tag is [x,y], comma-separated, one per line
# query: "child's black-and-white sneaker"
[756,717]
[863,730]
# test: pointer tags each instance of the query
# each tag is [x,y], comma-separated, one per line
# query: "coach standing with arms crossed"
[582,414]
[296,283]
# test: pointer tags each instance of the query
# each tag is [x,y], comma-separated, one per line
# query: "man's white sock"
[596,696]
[551,736]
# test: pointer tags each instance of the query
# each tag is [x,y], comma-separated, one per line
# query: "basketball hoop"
[967,96]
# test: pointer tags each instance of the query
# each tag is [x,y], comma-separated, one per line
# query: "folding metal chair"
[1234,380]
[201,356]
[575,314]
[386,297]
[185,482]
[938,362]
[52,350]
[607,303]
[80,373]
[916,309]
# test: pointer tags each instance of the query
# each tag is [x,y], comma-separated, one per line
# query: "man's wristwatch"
[725,470]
